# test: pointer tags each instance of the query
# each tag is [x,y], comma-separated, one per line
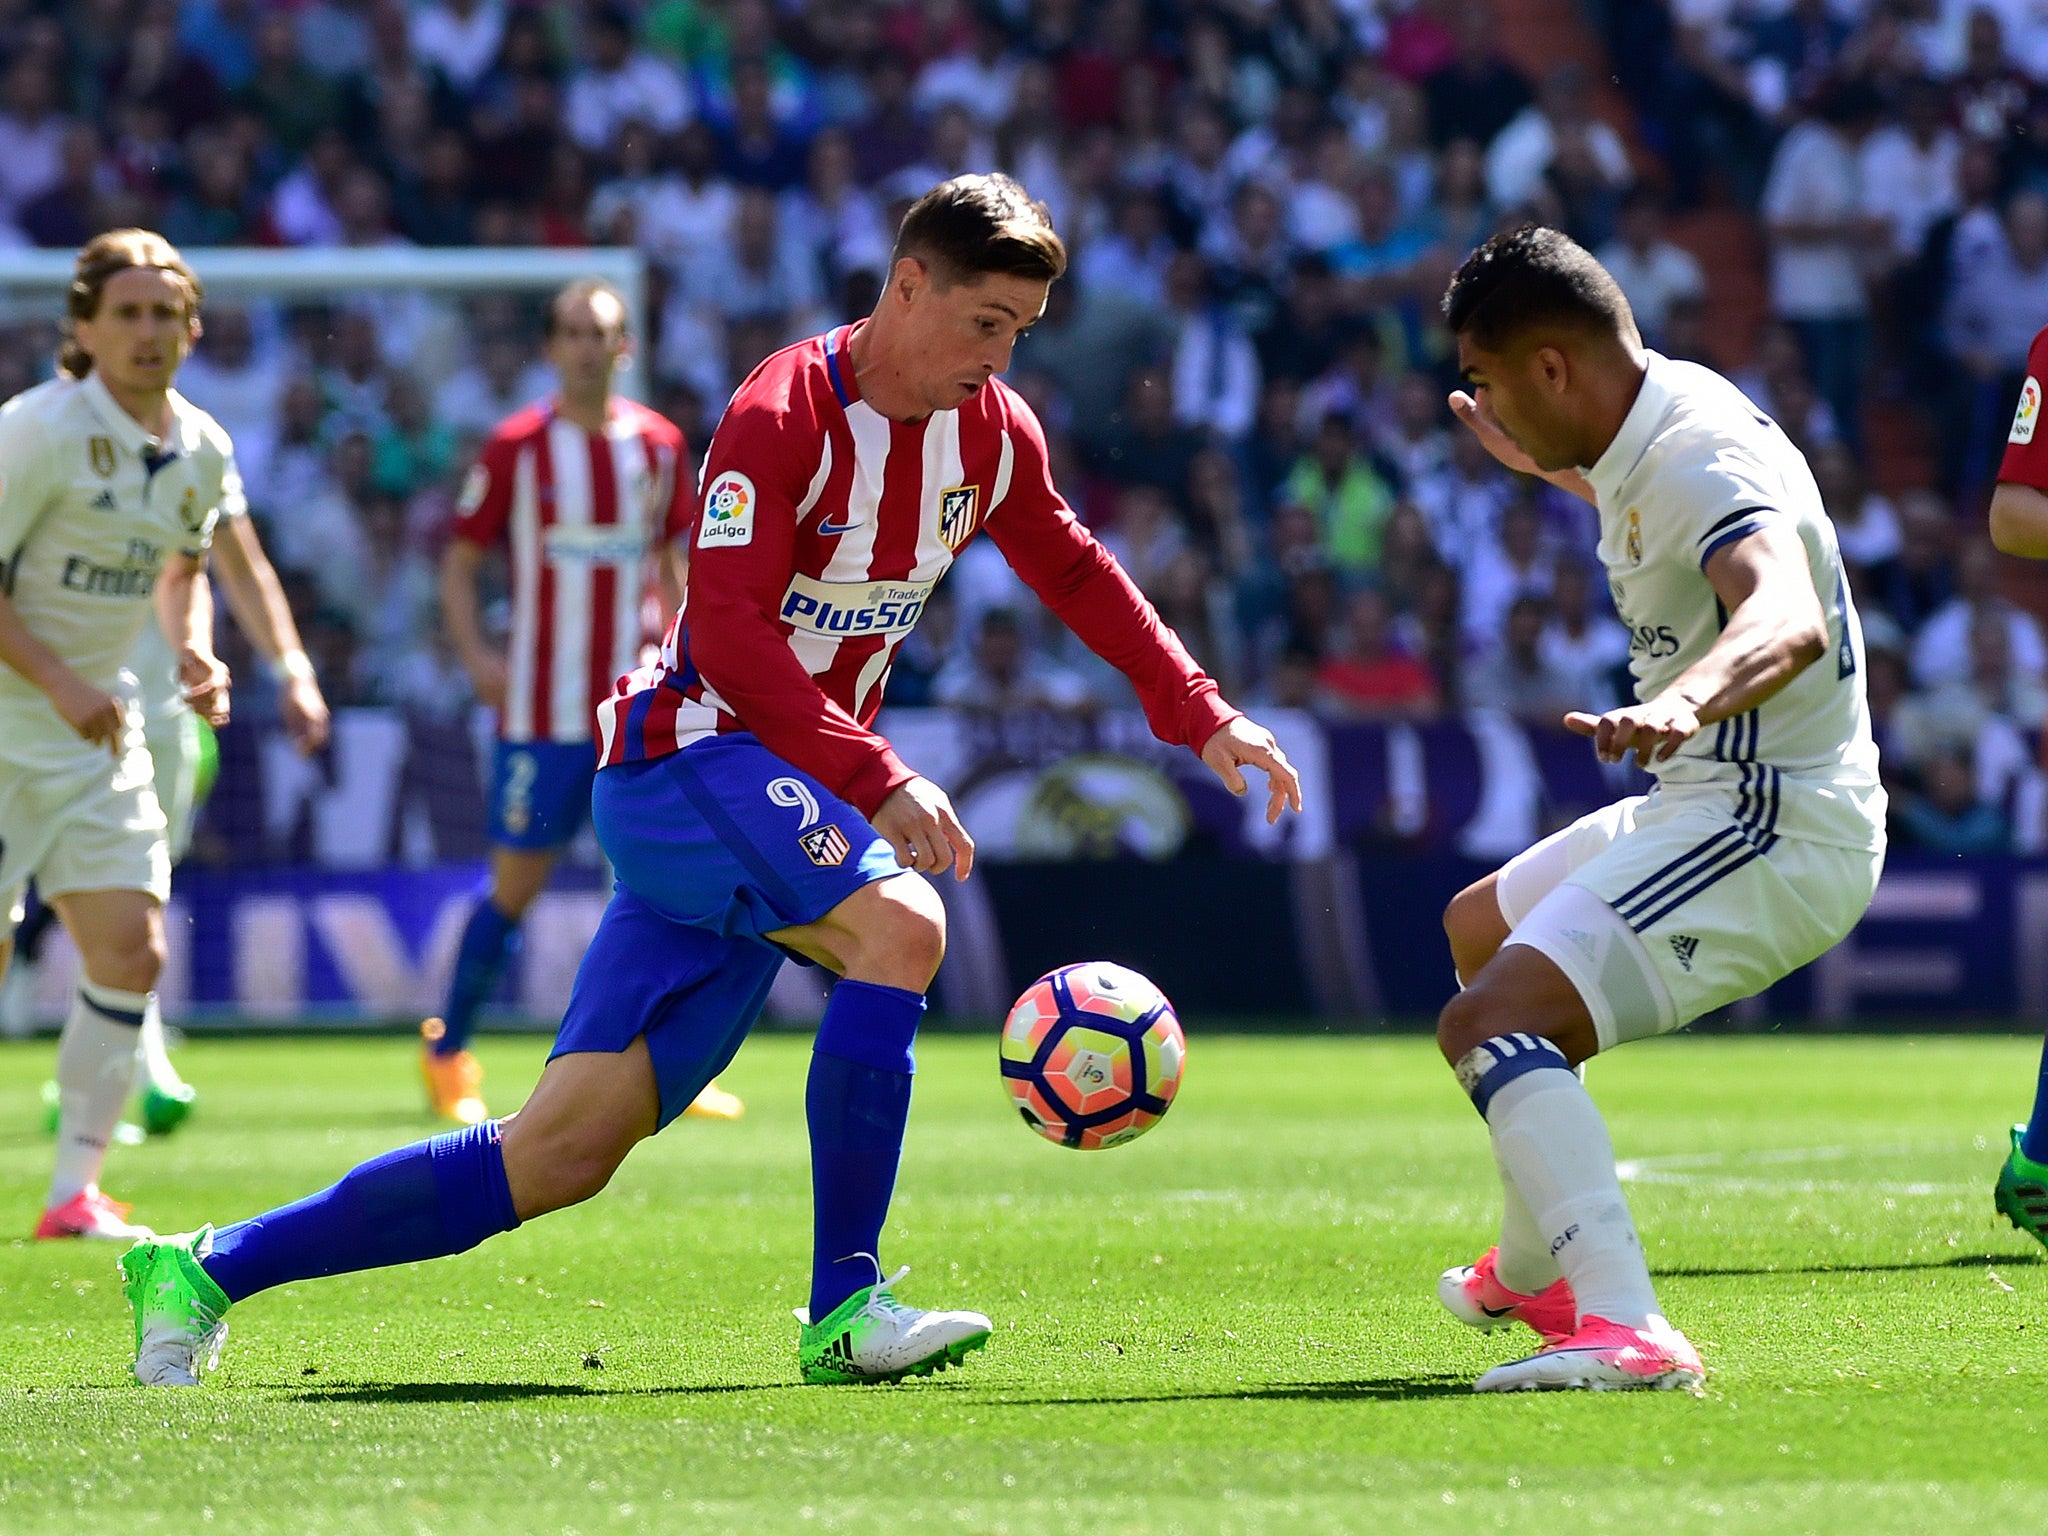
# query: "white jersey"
[90,508]
[1696,466]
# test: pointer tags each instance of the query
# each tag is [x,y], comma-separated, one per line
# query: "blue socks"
[857,1102]
[433,1198]
[487,943]
[2034,1144]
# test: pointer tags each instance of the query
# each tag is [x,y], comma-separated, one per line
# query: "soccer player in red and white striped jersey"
[750,813]
[584,492]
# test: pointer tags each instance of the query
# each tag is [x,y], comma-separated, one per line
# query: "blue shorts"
[540,792]
[715,847]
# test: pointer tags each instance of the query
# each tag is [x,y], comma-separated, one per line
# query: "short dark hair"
[1532,277]
[975,226]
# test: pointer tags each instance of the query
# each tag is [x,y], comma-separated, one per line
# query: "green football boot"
[873,1337]
[165,1109]
[2022,1191]
[178,1309]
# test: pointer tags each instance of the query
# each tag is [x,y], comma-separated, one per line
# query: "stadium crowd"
[1242,377]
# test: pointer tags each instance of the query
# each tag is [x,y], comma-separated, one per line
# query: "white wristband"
[296,666]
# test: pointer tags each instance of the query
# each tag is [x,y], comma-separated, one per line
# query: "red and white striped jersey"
[581,515]
[823,528]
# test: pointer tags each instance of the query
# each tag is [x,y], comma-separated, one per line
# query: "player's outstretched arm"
[1775,631]
[1487,428]
[184,607]
[256,599]
[2019,520]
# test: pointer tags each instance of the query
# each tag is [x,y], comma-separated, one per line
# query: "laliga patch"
[476,485]
[2029,412]
[728,511]
[826,846]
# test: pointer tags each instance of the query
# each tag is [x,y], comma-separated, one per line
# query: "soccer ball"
[1092,1055]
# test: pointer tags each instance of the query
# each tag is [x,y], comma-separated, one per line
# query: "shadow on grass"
[389,1392]
[1904,1266]
[1369,1389]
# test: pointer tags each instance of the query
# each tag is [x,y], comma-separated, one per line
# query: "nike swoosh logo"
[831,527]
[1496,1311]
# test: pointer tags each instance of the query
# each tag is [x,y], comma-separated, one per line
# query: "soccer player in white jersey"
[179,743]
[110,483]
[1759,847]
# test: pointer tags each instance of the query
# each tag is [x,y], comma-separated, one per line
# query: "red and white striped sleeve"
[484,505]
[1082,582]
[743,554]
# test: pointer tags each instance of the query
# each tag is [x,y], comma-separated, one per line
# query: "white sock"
[156,1070]
[95,1069]
[1554,1145]
[1523,1263]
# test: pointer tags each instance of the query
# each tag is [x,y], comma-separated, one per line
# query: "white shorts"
[172,736]
[1662,908]
[85,822]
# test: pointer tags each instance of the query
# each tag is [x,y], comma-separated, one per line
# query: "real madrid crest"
[188,510]
[101,451]
[957,506]
[1635,537]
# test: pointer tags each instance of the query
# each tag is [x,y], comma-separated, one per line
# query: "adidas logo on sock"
[1685,946]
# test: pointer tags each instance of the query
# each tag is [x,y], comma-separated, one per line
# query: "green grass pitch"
[1227,1326]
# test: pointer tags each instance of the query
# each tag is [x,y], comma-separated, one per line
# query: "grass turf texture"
[1228,1326]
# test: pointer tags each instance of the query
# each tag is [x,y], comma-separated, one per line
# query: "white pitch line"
[1694,1170]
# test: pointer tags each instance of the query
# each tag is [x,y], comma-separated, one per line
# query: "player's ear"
[1551,366]
[909,278]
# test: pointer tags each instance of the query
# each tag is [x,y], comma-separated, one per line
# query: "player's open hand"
[203,681]
[1244,743]
[919,823]
[92,712]
[1652,731]
[489,677]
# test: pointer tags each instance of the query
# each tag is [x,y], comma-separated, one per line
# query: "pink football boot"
[1605,1357]
[90,1214]
[1473,1294]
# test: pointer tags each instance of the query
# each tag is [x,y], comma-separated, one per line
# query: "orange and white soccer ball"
[1092,1055]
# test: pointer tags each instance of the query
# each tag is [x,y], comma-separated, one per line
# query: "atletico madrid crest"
[826,845]
[956,514]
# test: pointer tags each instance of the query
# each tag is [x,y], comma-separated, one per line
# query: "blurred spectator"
[292,102]
[1866,527]
[1146,538]
[1515,673]
[1419,444]
[1132,258]
[685,216]
[618,84]
[1336,481]
[1652,271]
[414,450]
[1463,501]
[459,38]
[1909,171]
[1502,570]
[1942,649]
[755,148]
[1001,673]
[835,223]
[240,384]
[757,278]
[1215,369]
[1478,93]
[72,209]
[1946,816]
[1998,300]
[1813,205]
[1587,648]
[1143,444]
[1557,133]
[1370,677]
[978,73]
[503,377]
[31,133]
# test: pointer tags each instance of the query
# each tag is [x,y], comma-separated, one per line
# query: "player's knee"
[553,1166]
[129,956]
[1475,928]
[1468,1019]
[902,938]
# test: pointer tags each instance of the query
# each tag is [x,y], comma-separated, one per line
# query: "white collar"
[127,431]
[1653,399]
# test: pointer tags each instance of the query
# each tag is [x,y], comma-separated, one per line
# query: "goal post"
[326,272]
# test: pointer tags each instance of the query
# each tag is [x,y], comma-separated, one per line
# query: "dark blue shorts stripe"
[1680,898]
[1676,869]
